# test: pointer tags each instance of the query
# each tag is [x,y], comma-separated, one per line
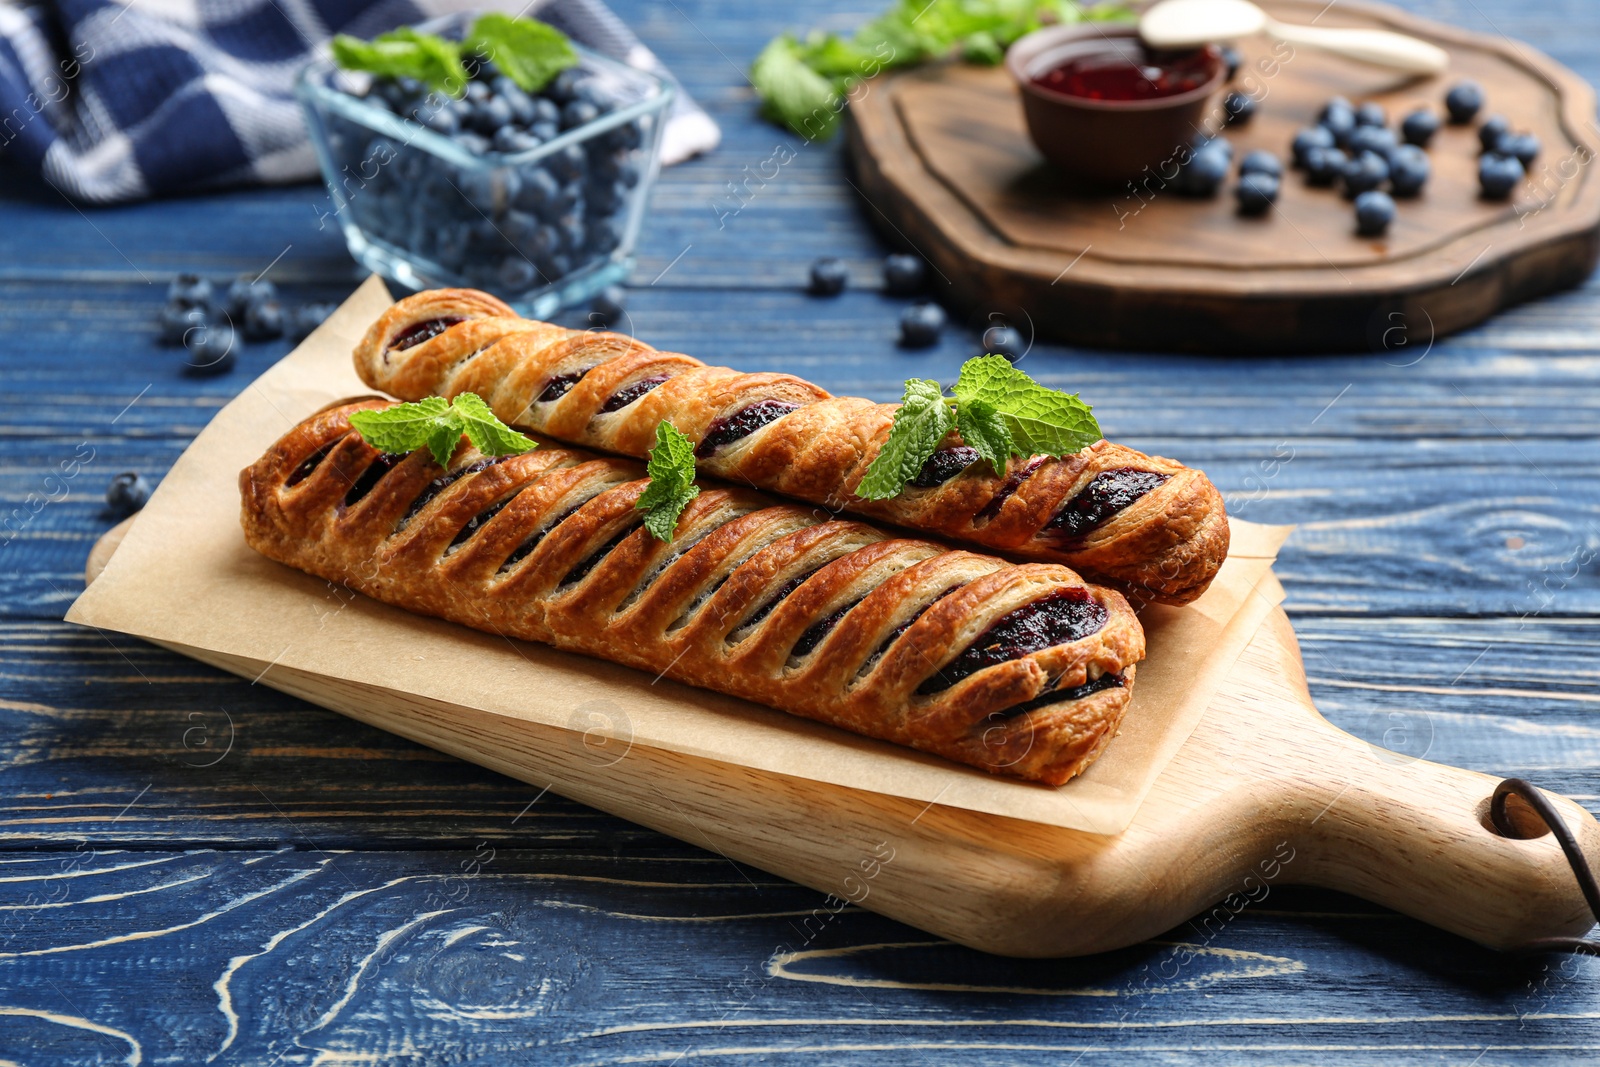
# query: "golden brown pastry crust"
[1166,545]
[779,604]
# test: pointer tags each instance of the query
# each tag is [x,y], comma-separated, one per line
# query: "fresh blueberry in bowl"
[1307,138]
[608,306]
[1375,210]
[1364,172]
[828,276]
[921,324]
[127,493]
[1409,170]
[1491,130]
[904,274]
[1419,126]
[1499,175]
[1256,193]
[1238,108]
[1325,166]
[1463,101]
[1260,161]
[1004,341]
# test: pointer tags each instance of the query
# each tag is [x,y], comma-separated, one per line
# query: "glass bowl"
[542,227]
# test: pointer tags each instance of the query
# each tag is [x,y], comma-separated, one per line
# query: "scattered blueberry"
[1004,341]
[1308,138]
[1256,193]
[608,306]
[263,321]
[517,274]
[1324,166]
[828,276]
[211,350]
[1463,101]
[1238,109]
[247,290]
[1419,127]
[1377,139]
[1338,118]
[1489,133]
[1230,59]
[127,493]
[1206,170]
[1367,170]
[920,325]
[1374,212]
[307,317]
[1371,113]
[190,290]
[178,319]
[1261,161]
[1524,146]
[904,275]
[1408,170]
[1220,145]
[1498,175]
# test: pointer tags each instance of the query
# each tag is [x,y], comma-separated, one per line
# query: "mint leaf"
[488,434]
[404,427]
[404,53]
[671,487]
[982,428]
[919,425]
[527,51]
[792,94]
[1041,421]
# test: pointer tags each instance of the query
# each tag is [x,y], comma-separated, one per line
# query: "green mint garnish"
[527,51]
[437,425]
[997,409]
[671,487]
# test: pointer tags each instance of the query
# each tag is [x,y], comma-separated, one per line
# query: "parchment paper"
[184,577]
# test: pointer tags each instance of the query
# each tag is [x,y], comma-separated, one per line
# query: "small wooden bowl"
[1103,142]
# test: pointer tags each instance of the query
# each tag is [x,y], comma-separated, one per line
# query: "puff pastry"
[1151,526]
[1021,669]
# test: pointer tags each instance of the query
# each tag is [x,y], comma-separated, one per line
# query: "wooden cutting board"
[943,158]
[1265,792]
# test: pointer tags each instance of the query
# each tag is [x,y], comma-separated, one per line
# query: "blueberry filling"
[560,385]
[1061,696]
[445,481]
[741,423]
[1105,495]
[478,522]
[766,609]
[1057,619]
[903,627]
[629,393]
[818,630]
[369,477]
[581,571]
[523,550]
[302,472]
[412,336]
[1012,482]
[944,465]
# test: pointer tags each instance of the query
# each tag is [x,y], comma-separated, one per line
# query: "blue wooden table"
[194,869]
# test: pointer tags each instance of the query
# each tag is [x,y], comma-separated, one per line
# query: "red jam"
[1136,73]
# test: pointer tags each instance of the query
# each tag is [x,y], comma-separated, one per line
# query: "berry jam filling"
[369,477]
[302,472]
[818,630]
[766,609]
[581,571]
[1013,481]
[445,481]
[478,522]
[1058,619]
[944,465]
[1061,696]
[1116,72]
[741,423]
[560,385]
[523,550]
[894,634]
[412,336]
[629,393]
[1108,493]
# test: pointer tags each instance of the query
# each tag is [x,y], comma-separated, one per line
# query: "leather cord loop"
[1534,797]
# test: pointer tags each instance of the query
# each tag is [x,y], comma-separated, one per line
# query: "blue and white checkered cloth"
[115,100]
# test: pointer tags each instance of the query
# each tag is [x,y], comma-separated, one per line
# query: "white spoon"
[1173,24]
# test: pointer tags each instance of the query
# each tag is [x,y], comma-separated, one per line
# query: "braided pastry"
[1151,526]
[1021,669]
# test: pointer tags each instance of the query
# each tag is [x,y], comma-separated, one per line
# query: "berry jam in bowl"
[1102,107]
[535,196]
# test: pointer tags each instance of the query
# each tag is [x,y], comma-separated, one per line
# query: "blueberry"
[1419,127]
[521,104]
[263,320]
[1308,138]
[570,229]
[564,86]
[1238,109]
[1374,212]
[211,350]
[307,317]
[608,306]
[545,111]
[545,131]
[604,198]
[1463,101]
[1371,113]
[920,325]
[1408,170]
[1220,145]
[539,191]
[604,236]
[490,115]
[1494,127]
[1231,59]
[1368,170]
[178,319]
[1498,175]
[510,140]
[1524,146]
[1004,341]
[440,120]
[1261,161]
[516,275]
[1324,166]
[557,266]
[578,113]
[828,277]
[477,92]
[903,274]
[1376,139]
[1339,119]
[628,136]
[1256,193]
[472,143]
[190,290]
[247,290]
[568,163]
[568,198]
[127,493]
[1205,172]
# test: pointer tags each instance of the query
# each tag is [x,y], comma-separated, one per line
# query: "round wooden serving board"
[942,153]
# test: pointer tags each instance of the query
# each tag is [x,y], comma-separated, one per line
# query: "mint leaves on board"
[998,410]
[804,82]
[526,50]
[437,424]
[671,487]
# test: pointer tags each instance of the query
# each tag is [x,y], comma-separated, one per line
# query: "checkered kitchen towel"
[113,100]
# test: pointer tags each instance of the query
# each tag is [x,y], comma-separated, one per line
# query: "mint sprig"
[438,424]
[526,50]
[998,410]
[671,470]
